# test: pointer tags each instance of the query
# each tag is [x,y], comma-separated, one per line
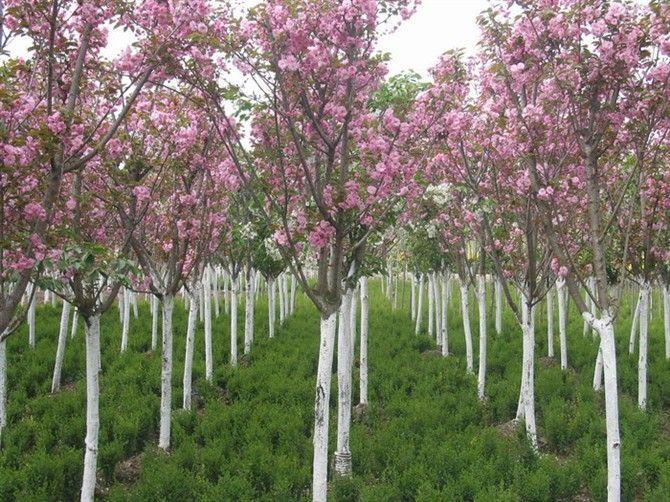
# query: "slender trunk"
[154,322]
[271,307]
[75,320]
[445,319]
[207,310]
[31,317]
[343,454]
[249,312]
[321,409]
[645,294]
[498,302]
[280,289]
[353,307]
[413,298]
[293,291]
[526,408]
[133,300]
[3,386]
[562,322]
[166,374]
[419,306]
[234,281]
[92,324]
[214,287]
[666,319]
[550,322]
[465,314]
[60,351]
[125,324]
[364,342]
[438,308]
[634,325]
[226,297]
[481,302]
[605,328]
[285,293]
[431,306]
[190,343]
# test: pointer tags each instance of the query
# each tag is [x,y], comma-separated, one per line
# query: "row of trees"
[542,160]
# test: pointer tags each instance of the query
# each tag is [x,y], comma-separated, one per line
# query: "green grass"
[425,436]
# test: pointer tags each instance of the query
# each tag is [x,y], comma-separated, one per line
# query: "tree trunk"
[605,328]
[550,322]
[60,351]
[645,294]
[465,314]
[431,306]
[92,324]
[481,302]
[214,287]
[562,322]
[498,302]
[166,374]
[526,408]
[666,319]
[125,324]
[249,312]
[3,386]
[419,306]
[413,298]
[271,307]
[31,316]
[234,282]
[445,319]
[154,322]
[343,454]
[321,409]
[75,320]
[282,300]
[293,292]
[364,342]
[207,298]
[634,325]
[190,343]
[438,308]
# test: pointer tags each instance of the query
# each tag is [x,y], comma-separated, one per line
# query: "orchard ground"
[425,435]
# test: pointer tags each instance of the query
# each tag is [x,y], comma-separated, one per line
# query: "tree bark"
[190,343]
[343,453]
[207,298]
[166,374]
[481,302]
[419,306]
[125,324]
[92,324]
[271,307]
[562,322]
[321,409]
[645,294]
[234,282]
[634,325]
[364,342]
[60,351]
[465,314]
[498,302]
[550,322]
[445,319]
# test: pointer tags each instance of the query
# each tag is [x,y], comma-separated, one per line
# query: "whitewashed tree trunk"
[293,292]
[321,409]
[234,281]
[465,315]
[75,320]
[590,288]
[481,302]
[120,305]
[562,322]
[363,390]
[413,297]
[214,286]
[92,325]
[598,371]
[605,328]
[431,306]
[201,304]
[666,319]
[133,301]
[645,294]
[249,312]
[634,325]
[498,302]
[154,322]
[190,344]
[438,308]
[31,317]
[207,310]
[282,299]
[526,408]
[285,293]
[444,317]
[271,307]
[3,387]
[550,322]
[226,293]
[125,324]
[343,453]
[60,351]
[353,317]
[166,374]
[419,306]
